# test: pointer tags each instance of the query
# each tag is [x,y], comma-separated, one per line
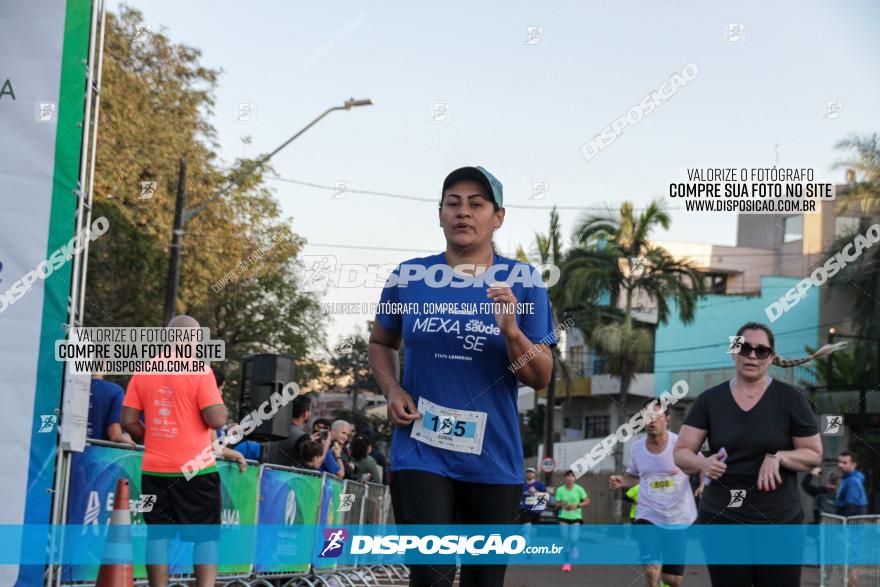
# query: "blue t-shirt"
[330,465]
[249,449]
[460,361]
[539,487]
[105,407]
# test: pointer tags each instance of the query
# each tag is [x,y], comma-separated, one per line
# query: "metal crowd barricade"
[268,578]
[865,575]
[55,576]
[356,493]
[351,510]
[370,505]
[832,540]
[374,504]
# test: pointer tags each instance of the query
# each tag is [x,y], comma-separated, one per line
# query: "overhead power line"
[435,201]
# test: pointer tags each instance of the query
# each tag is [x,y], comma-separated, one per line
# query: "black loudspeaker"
[261,376]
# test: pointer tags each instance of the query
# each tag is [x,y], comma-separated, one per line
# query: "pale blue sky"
[523,111]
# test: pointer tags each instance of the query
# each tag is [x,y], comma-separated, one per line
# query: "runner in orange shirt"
[180,412]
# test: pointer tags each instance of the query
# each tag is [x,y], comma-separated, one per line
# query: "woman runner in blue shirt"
[474,324]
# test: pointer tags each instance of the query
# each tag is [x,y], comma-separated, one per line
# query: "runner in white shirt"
[665,498]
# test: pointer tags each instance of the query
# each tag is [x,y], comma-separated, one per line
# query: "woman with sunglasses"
[768,433]
[456,453]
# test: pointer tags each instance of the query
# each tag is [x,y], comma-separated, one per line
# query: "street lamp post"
[183,215]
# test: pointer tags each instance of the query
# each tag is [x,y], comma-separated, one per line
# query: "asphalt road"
[612,576]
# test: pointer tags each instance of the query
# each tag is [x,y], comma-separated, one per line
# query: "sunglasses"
[761,351]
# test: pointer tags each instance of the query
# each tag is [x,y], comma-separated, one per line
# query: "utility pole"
[173,280]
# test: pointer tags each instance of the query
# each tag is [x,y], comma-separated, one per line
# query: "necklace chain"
[752,396]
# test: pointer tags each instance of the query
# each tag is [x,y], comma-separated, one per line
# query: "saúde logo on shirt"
[473,335]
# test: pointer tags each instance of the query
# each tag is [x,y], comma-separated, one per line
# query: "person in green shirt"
[570,498]
[361,448]
[632,494]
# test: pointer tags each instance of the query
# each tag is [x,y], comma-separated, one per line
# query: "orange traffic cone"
[116,569]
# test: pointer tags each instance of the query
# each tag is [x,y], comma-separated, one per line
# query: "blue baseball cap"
[478,174]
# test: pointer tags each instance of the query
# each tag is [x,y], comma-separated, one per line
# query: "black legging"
[748,575]
[419,497]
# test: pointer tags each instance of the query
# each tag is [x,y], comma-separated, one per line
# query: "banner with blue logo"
[93,477]
[289,499]
[238,499]
[330,516]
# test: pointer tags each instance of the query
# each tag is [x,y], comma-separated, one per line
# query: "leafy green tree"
[864,160]
[239,255]
[532,429]
[351,366]
[853,367]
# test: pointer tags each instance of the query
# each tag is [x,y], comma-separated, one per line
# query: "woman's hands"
[402,409]
[769,475]
[711,466]
[505,306]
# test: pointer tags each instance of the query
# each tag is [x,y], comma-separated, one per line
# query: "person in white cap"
[533,494]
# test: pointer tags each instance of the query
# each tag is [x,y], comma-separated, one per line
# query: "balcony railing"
[699,380]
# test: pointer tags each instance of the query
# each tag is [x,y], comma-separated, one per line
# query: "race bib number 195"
[449,429]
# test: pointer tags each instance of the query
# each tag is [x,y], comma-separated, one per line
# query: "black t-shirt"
[781,413]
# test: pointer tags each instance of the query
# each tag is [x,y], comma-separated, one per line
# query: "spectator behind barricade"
[377,453]
[851,497]
[302,411]
[309,457]
[332,463]
[321,424]
[246,449]
[286,452]
[249,449]
[823,496]
[105,409]
[340,433]
[368,469]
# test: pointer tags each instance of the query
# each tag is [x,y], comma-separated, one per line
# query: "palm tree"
[863,194]
[864,191]
[853,367]
[547,249]
[615,256]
